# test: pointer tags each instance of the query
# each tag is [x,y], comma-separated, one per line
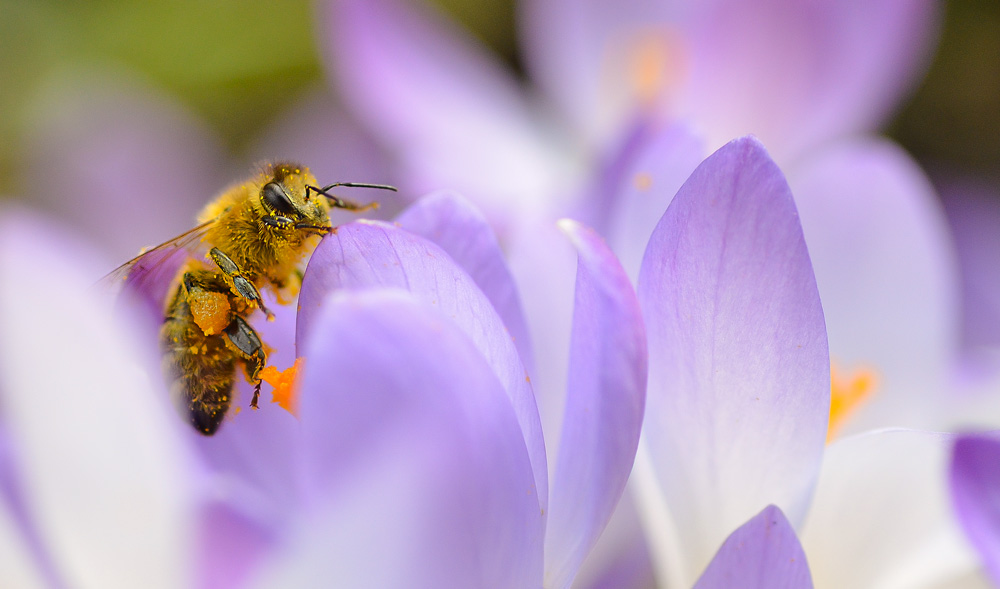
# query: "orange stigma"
[657,62]
[847,393]
[285,383]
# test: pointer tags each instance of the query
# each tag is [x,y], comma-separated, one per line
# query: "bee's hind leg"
[244,287]
[245,340]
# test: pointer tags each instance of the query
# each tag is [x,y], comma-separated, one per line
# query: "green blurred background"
[237,64]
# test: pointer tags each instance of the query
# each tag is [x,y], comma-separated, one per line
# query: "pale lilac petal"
[451,112]
[113,492]
[604,402]
[763,553]
[739,383]
[421,473]
[17,565]
[974,215]
[649,183]
[881,516]
[122,163]
[885,268]
[22,541]
[458,228]
[799,73]
[975,490]
[543,263]
[371,254]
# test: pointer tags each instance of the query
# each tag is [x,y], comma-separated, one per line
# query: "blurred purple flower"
[798,76]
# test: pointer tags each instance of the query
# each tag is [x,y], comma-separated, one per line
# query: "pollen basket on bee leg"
[211,310]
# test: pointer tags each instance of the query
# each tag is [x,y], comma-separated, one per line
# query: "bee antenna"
[360,185]
[341,203]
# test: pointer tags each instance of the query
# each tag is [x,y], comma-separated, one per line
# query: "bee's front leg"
[245,340]
[277,221]
[243,287]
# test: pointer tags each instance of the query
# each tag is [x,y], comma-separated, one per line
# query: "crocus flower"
[738,399]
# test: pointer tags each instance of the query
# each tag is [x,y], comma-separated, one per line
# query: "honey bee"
[256,234]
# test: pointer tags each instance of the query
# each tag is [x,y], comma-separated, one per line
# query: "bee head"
[290,192]
[285,194]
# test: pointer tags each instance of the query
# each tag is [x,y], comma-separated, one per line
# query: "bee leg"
[245,339]
[244,287]
[349,205]
[277,221]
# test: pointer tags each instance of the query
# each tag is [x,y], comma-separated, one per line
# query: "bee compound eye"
[276,198]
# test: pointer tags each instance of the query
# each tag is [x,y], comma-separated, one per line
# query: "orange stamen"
[285,383]
[847,393]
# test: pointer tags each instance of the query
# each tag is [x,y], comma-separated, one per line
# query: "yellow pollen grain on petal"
[286,385]
[848,391]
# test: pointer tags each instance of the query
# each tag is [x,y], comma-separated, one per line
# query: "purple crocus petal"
[881,515]
[866,207]
[426,90]
[604,402]
[128,520]
[974,214]
[975,490]
[763,553]
[421,474]
[739,380]
[370,254]
[459,228]
[123,163]
[233,544]
[804,72]
[649,184]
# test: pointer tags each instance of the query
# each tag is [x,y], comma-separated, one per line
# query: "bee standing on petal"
[257,232]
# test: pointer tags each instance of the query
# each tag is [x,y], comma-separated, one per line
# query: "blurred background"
[234,70]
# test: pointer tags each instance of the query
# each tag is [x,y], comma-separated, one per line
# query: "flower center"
[286,385]
[848,390]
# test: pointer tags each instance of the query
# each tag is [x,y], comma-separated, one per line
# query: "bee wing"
[157,261]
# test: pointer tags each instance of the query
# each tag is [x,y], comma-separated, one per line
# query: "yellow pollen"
[847,392]
[286,385]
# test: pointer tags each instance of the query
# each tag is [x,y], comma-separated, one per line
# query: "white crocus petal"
[102,464]
[881,517]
